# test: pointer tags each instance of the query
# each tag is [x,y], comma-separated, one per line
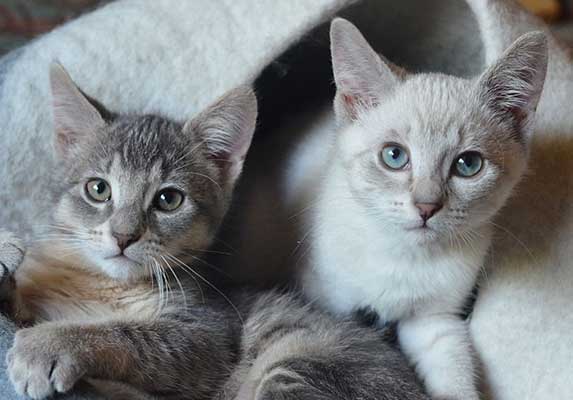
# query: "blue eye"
[394,157]
[468,164]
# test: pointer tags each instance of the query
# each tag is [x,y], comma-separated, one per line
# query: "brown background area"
[21,20]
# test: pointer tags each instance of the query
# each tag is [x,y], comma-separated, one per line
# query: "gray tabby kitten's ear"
[74,116]
[362,77]
[511,88]
[226,128]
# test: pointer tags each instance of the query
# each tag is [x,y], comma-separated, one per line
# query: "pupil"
[167,197]
[395,153]
[100,187]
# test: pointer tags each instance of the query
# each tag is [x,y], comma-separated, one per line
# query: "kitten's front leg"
[440,347]
[181,359]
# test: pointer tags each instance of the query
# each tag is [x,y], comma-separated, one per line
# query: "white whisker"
[183,265]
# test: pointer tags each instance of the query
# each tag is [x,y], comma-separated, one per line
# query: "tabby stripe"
[135,341]
[276,333]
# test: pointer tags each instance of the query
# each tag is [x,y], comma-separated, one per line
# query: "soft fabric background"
[175,57]
[21,20]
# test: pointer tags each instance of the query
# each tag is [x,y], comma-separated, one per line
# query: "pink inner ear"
[64,140]
[230,166]
[350,103]
[222,159]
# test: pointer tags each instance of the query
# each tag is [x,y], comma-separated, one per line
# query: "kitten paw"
[39,364]
[12,253]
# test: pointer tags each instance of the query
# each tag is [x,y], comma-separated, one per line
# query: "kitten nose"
[427,210]
[125,240]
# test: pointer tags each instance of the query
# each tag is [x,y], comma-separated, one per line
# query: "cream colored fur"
[59,290]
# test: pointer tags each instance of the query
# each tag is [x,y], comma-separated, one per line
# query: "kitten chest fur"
[358,264]
[58,291]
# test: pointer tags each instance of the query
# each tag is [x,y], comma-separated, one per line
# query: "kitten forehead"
[424,108]
[144,141]
[143,183]
[149,145]
[441,101]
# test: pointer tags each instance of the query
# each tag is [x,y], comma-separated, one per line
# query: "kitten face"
[431,156]
[144,194]
[435,122]
[137,164]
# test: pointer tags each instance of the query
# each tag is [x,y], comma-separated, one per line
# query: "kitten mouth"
[419,228]
[119,257]
[122,260]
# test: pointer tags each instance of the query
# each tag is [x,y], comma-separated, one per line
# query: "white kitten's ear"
[74,116]
[511,88]
[362,77]
[226,128]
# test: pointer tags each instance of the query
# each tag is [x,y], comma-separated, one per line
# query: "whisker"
[227,245]
[514,237]
[216,269]
[177,279]
[160,284]
[209,179]
[192,277]
[212,287]
[224,253]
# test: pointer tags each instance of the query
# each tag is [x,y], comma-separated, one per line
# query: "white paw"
[40,365]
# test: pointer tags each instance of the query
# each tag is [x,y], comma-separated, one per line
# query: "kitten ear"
[226,128]
[511,88]
[74,116]
[362,77]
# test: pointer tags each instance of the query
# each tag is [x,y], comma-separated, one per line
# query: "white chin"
[122,268]
[424,235]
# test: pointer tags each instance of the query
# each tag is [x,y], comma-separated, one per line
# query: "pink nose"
[124,241]
[427,210]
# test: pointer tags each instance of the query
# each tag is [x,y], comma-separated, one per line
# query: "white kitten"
[418,169]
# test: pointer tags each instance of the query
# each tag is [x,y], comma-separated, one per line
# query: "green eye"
[394,157]
[98,190]
[168,200]
[468,164]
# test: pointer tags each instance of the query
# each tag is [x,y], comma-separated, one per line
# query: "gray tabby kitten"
[138,200]
[134,197]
